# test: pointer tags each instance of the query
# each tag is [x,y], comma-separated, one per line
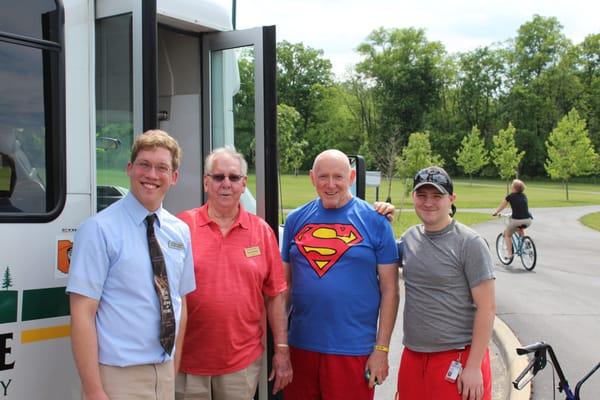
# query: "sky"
[338,26]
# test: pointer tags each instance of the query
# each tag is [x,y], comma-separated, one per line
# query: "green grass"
[480,194]
[297,190]
[407,218]
[113,177]
[591,220]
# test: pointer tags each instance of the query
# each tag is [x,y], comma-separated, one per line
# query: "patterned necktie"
[161,284]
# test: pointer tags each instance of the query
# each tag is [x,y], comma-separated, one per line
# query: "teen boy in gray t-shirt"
[450,303]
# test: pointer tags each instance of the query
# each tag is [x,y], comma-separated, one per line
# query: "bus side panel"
[35,355]
[36,361]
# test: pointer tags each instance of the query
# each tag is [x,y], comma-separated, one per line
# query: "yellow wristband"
[382,348]
[281,345]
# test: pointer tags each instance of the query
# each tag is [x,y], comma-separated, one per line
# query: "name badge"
[175,245]
[252,251]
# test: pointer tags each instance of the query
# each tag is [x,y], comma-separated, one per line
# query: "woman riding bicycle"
[520,218]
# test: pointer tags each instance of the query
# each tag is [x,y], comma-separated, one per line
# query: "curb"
[507,343]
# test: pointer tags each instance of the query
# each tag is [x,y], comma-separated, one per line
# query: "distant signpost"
[373,179]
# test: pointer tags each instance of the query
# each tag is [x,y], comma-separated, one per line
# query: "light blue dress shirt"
[111,263]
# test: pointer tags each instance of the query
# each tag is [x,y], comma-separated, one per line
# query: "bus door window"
[114,107]
[233,109]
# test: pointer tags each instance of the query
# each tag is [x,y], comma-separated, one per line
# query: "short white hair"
[229,150]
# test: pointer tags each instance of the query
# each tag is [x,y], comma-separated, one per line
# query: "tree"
[417,155]
[7,280]
[403,70]
[291,150]
[589,73]
[538,46]
[481,77]
[385,159]
[505,154]
[472,156]
[243,107]
[570,150]
[335,124]
[543,86]
[302,77]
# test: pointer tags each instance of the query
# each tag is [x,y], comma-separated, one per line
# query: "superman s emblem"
[323,244]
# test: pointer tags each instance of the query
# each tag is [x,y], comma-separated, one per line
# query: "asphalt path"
[559,301]
[386,391]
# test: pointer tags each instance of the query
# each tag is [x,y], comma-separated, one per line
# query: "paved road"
[558,302]
[388,389]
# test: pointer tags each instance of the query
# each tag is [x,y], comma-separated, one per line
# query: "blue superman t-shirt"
[335,294]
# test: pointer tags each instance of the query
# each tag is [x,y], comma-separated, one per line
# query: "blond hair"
[518,186]
[153,139]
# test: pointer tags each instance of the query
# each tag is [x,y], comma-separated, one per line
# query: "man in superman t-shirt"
[341,260]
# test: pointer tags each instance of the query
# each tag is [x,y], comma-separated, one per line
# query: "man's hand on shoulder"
[386,209]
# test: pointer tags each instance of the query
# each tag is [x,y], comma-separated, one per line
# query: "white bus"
[79,78]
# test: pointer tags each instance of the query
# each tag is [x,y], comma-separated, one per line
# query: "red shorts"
[327,376]
[422,375]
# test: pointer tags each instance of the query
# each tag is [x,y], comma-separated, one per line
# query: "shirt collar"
[138,212]
[243,218]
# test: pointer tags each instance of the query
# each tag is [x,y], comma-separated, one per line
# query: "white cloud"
[339,26]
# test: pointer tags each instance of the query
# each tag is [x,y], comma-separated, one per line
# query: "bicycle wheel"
[502,251]
[528,253]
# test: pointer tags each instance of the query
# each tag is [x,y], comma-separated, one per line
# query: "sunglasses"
[433,176]
[221,177]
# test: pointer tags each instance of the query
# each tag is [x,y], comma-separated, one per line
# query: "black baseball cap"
[436,177]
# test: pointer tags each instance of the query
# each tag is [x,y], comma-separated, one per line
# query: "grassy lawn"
[297,190]
[113,177]
[591,221]
[408,218]
[487,194]
[479,194]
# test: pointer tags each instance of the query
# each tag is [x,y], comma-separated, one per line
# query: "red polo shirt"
[226,312]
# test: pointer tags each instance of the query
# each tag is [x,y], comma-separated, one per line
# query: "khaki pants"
[240,385]
[139,382]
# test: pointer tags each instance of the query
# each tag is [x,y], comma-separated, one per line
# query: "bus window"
[24,18]
[114,106]
[31,116]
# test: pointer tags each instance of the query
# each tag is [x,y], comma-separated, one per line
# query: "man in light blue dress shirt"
[115,311]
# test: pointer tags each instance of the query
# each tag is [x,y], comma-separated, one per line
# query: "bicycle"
[538,363]
[522,246]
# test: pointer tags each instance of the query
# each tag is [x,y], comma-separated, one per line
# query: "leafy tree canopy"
[570,151]
[505,154]
[472,155]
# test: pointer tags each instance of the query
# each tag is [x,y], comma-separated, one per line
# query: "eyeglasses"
[161,169]
[221,177]
[436,176]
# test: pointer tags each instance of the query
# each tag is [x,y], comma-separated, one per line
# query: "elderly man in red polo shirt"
[238,274]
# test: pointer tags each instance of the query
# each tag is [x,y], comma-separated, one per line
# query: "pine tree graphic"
[7,280]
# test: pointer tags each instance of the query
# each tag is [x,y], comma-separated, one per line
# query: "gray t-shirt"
[440,268]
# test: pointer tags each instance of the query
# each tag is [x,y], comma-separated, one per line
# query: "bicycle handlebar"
[539,361]
[532,347]
[518,383]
